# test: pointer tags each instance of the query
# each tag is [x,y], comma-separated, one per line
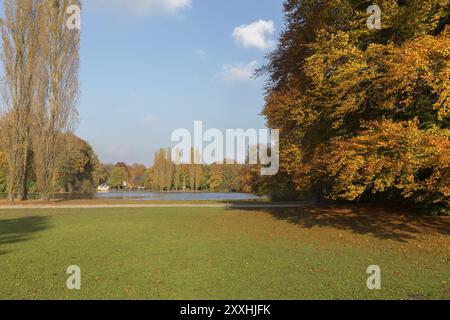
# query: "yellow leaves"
[367,111]
[80,163]
[412,79]
[442,105]
[2,159]
[422,64]
[290,157]
[388,155]
[337,70]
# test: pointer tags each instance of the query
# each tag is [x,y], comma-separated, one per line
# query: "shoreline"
[93,204]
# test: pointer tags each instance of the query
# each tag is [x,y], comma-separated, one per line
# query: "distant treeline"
[164,175]
[82,172]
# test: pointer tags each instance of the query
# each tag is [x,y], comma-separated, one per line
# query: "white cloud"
[146,7]
[150,119]
[200,52]
[239,72]
[257,35]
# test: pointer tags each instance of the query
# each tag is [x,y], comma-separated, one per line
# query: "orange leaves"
[364,111]
[420,67]
[408,80]
[389,155]
[337,70]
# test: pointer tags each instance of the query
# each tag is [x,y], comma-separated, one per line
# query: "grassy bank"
[217,253]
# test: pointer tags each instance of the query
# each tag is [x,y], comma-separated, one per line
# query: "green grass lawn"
[213,253]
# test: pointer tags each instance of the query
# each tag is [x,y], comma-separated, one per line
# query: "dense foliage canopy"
[362,112]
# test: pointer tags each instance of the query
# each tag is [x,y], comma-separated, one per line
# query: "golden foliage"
[388,155]
[363,111]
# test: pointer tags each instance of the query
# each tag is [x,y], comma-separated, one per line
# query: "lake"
[159,196]
[175,196]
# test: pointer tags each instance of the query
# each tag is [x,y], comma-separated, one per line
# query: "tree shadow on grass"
[398,224]
[20,229]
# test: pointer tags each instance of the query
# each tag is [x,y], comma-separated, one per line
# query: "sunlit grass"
[213,253]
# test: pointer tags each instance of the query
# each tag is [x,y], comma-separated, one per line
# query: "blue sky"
[152,66]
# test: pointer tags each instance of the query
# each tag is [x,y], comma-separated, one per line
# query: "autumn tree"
[352,104]
[169,170]
[3,172]
[177,171]
[192,171]
[159,180]
[388,156]
[78,171]
[215,177]
[177,178]
[118,177]
[195,170]
[102,173]
[55,114]
[198,171]
[137,173]
[19,56]
[148,178]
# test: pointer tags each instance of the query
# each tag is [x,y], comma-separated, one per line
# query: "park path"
[112,206]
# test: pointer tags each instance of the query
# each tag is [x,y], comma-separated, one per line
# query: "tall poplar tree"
[56,113]
[19,56]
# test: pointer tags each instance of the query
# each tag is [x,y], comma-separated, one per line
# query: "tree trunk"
[25,183]
[24,187]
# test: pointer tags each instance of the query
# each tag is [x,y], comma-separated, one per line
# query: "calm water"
[162,196]
[168,196]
